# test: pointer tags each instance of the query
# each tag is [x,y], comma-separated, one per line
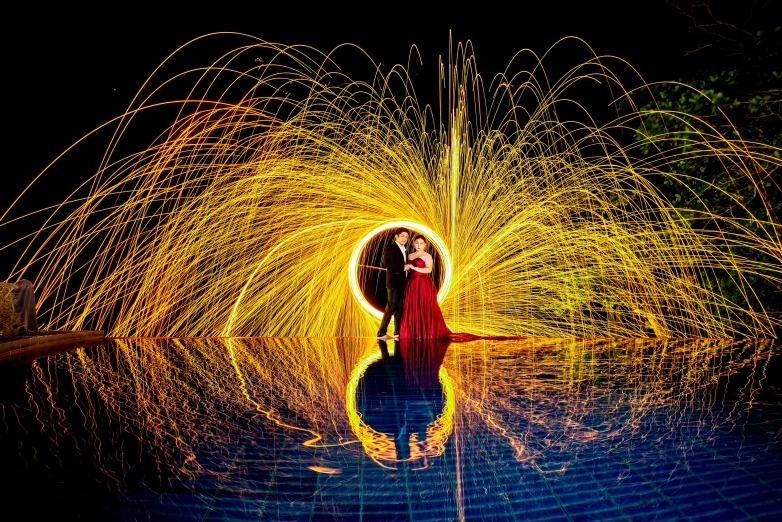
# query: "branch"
[720,22]
[703,18]
[700,48]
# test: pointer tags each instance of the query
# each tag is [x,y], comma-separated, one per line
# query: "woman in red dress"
[422,318]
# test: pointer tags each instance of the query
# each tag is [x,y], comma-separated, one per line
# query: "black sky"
[69,70]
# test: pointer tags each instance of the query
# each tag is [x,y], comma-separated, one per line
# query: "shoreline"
[37,344]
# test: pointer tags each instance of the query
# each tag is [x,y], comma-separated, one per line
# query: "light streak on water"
[338,427]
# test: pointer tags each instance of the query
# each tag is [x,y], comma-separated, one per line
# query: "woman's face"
[419,245]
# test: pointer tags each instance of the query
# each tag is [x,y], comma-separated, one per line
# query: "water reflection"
[342,426]
[401,402]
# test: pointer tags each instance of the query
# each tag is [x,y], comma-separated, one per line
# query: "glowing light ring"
[426,231]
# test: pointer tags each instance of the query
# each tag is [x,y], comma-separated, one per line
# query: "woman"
[422,318]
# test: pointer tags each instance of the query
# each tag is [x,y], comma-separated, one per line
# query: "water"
[347,429]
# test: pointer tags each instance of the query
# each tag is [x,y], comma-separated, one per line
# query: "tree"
[732,97]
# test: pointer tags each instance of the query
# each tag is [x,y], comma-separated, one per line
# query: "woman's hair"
[419,236]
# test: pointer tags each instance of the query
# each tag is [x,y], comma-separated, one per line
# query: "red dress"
[421,316]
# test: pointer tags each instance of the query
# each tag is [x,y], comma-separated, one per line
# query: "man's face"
[402,238]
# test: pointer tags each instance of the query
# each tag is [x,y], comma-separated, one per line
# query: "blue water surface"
[349,429]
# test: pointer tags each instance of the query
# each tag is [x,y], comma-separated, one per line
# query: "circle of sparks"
[426,231]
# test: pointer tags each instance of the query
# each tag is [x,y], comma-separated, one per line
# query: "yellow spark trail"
[241,218]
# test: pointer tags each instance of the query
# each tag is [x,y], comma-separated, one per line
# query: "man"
[395,262]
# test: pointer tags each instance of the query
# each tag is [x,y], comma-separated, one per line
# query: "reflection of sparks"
[268,413]
[549,402]
[438,431]
[325,470]
[243,216]
[380,446]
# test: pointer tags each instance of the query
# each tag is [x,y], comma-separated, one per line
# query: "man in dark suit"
[395,262]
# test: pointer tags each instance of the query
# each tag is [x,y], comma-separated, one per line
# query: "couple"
[412,296]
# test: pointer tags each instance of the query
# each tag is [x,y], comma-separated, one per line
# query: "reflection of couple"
[412,296]
[403,400]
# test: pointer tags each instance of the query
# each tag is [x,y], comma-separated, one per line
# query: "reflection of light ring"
[426,231]
[380,446]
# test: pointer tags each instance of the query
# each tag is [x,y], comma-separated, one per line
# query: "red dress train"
[421,316]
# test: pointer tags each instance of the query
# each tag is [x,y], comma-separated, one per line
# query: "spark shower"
[242,218]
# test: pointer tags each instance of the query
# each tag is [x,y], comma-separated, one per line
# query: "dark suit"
[396,278]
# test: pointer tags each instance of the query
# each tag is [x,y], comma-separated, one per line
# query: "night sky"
[70,70]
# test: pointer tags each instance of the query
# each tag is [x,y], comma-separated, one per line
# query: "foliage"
[18,331]
[733,96]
